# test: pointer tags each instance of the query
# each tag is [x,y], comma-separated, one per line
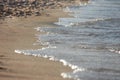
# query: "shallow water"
[89,42]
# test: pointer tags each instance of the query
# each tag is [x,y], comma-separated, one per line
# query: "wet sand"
[19,33]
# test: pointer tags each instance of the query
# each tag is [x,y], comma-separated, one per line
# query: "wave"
[67,22]
[115,50]
[75,68]
[68,9]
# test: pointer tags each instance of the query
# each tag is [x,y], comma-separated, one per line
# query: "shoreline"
[19,33]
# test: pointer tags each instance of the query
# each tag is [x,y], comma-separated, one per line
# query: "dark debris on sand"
[10,8]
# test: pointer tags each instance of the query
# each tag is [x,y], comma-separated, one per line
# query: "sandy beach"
[19,33]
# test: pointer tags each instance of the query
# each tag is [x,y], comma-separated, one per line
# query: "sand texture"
[19,33]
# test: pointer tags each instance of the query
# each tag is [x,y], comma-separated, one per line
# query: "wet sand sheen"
[19,33]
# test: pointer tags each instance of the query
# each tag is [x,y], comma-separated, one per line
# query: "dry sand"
[19,33]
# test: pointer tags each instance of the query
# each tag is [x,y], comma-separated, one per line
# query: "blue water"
[88,42]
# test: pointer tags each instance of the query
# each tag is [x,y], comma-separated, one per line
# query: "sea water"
[88,42]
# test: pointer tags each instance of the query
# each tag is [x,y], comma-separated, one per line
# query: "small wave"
[75,68]
[67,22]
[64,24]
[47,47]
[115,50]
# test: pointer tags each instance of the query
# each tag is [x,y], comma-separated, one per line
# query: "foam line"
[116,51]
[65,75]
[75,68]
[38,28]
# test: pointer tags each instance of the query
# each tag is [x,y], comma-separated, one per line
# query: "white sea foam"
[75,68]
[78,70]
[38,28]
[43,48]
[64,62]
[65,75]
[51,58]
[114,50]
[18,51]
[75,21]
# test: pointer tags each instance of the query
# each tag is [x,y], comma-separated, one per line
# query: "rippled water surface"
[89,42]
